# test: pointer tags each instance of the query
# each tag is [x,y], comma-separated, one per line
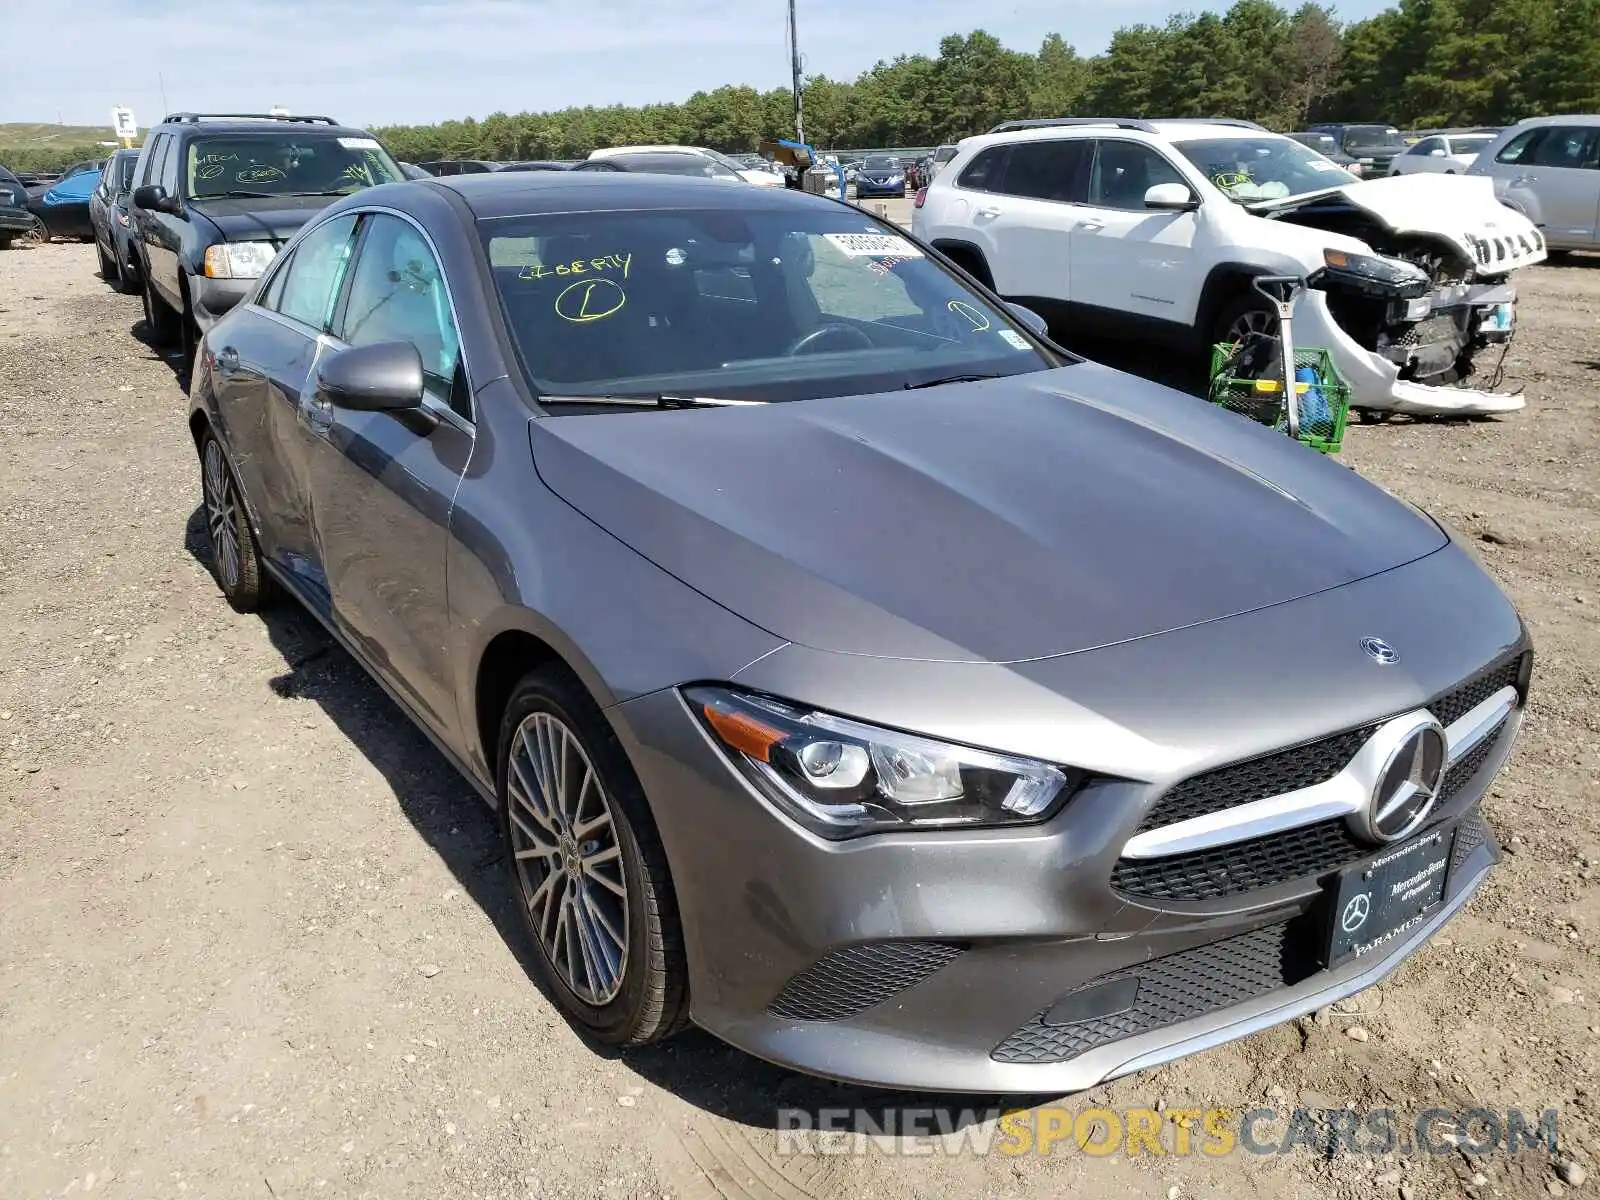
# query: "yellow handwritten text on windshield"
[579,266]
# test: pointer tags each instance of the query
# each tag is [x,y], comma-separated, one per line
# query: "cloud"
[375,62]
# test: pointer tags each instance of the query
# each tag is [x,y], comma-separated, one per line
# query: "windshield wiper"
[328,193]
[238,195]
[944,379]
[652,400]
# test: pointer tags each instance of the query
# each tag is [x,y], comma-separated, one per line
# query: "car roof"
[1164,131]
[265,125]
[610,151]
[543,193]
[1568,119]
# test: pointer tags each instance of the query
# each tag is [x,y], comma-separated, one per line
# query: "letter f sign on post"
[123,123]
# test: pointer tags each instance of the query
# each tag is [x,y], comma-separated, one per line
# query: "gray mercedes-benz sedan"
[855,674]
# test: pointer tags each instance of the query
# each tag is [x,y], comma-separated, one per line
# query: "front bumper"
[924,960]
[865,187]
[212,299]
[1394,376]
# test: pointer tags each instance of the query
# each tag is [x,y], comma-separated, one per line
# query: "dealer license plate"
[1386,896]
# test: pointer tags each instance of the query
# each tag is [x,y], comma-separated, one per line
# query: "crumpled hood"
[256,220]
[1462,208]
[1010,519]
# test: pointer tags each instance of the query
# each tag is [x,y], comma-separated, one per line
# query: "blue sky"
[372,62]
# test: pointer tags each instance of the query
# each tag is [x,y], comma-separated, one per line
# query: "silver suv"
[1548,169]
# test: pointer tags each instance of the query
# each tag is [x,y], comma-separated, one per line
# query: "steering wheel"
[807,343]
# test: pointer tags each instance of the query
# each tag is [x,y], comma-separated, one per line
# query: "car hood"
[998,521]
[255,220]
[1461,208]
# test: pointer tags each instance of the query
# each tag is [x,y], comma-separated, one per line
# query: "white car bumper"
[1374,379]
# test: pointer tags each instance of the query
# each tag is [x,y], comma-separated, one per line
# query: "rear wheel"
[35,235]
[587,866]
[235,558]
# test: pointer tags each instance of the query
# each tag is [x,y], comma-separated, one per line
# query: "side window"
[307,287]
[1561,146]
[152,161]
[1047,170]
[1513,151]
[1125,171]
[397,294]
[984,173]
[1427,146]
[169,166]
[272,294]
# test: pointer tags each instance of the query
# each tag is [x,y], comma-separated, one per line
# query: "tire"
[633,990]
[108,265]
[124,281]
[1244,313]
[235,557]
[34,235]
[5,241]
[160,322]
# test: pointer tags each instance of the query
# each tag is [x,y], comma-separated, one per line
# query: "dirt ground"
[254,936]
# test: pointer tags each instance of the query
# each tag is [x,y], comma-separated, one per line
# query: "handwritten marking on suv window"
[578,266]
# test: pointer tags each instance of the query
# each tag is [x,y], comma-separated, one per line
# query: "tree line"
[1423,63]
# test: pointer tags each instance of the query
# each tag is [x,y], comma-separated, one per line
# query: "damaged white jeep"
[1155,228]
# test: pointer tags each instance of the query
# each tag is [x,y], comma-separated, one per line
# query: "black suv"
[216,195]
[1373,146]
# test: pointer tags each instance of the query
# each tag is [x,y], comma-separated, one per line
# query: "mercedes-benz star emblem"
[1407,786]
[1380,651]
[1355,913]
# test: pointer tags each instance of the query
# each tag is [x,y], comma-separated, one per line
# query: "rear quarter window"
[984,173]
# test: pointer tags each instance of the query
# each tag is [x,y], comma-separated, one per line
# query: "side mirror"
[1171,197]
[382,377]
[154,197]
[1031,319]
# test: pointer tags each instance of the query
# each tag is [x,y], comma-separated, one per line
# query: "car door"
[262,375]
[382,486]
[1022,217]
[1127,258]
[100,207]
[1553,178]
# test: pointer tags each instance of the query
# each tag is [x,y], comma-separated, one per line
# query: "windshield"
[880,162]
[1472,143]
[718,157]
[1247,169]
[762,305]
[124,171]
[1322,143]
[695,165]
[285,164]
[1373,137]
[944,154]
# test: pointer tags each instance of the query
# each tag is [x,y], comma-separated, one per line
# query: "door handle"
[227,360]
[1523,180]
[1092,225]
[989,211]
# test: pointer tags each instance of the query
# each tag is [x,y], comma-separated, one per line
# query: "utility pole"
[161,81]
[794,58]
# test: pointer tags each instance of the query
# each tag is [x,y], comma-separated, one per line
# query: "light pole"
[794,61]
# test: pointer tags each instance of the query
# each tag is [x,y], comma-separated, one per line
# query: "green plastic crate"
[1262,399]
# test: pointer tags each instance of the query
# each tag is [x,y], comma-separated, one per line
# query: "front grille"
[843,983]
[1272,775]
[1176,988]
[1241,866]
[1307,764]
[1463,773]
[1454,705]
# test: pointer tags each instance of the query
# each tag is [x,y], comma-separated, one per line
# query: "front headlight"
[238,260]
[1386,273]
[841,778]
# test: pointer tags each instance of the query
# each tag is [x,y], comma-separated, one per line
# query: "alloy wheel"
[568,860]
[1252,320]
[34,235]
[221,515]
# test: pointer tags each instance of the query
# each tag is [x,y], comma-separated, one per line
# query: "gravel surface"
[254,937]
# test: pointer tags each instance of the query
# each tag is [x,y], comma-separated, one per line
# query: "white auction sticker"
[1015,338]
[873,245]
[359,143]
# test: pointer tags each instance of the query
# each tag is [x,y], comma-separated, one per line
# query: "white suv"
[1147,228]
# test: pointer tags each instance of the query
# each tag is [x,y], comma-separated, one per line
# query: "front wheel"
[235,558]
[1247,314]
[587,866]
[160,322]
[35,235]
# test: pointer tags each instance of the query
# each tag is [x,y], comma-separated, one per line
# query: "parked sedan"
[662,162]
[64,205]
[113,227]
[880,175]
[855,674]
[1441,153]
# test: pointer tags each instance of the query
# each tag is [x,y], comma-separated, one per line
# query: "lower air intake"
[843,983]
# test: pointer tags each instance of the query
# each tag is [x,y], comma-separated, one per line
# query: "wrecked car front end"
[1406,325]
